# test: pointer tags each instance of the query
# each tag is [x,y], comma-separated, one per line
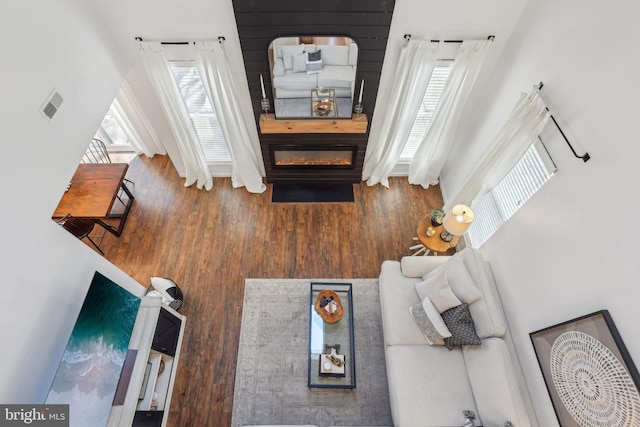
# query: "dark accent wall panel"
[365,21]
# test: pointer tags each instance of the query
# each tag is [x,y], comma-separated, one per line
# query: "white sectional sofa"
[430,385]
[338,70]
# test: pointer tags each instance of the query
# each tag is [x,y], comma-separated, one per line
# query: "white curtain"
[157,66]
[516,136]
[240,135]
[415,65]
[433,151]
[134,122]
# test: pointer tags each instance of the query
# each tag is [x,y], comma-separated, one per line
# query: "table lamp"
[456,222]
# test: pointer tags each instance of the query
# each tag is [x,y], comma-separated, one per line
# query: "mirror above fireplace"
[313,77]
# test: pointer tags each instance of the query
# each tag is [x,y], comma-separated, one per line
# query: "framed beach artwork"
[88,375]
[590,376]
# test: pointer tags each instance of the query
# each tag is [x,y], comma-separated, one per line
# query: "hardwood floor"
[210,241]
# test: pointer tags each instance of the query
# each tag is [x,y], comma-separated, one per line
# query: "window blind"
[201,112]
[531,172]
[428,106]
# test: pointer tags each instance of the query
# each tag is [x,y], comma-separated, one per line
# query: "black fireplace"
[365,22]
[317,158]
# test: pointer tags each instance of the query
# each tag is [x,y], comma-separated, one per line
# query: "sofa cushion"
[336,76]
[459,279]
[486,312]
[494,384]
[353,54]
[460,324]
[428,385]
[429,321]
[396,295]
[296,81]
[416,266]
[278,67]
[437,289]
[334,55]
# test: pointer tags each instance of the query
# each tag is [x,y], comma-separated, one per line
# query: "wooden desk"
[93,190]
[433,243]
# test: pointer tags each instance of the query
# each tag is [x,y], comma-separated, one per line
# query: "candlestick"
[361,89]
[264,95]
[265,105]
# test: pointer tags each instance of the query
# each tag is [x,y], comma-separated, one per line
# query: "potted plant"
[437,216]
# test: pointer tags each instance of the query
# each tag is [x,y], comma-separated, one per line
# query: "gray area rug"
[271,373]
[301,107]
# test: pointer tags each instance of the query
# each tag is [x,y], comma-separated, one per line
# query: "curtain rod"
[585,158]
[408,36]
[220,40]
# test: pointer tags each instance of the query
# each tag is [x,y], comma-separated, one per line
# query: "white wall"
[571,250]
[45,271]
[444,20]
[170,20]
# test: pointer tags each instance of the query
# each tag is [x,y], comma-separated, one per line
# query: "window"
[112,131]
[202,113]
[496,207]
[430,101]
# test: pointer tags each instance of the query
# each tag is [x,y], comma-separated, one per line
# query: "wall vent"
[52,104]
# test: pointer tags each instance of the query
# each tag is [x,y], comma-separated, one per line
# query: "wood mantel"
[357,124]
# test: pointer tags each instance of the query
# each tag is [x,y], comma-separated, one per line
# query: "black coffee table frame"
[322,334]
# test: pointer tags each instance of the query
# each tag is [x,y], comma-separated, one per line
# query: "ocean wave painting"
[88,374]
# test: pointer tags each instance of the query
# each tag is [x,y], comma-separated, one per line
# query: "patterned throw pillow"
[314,67]
[429,322]
[460,324]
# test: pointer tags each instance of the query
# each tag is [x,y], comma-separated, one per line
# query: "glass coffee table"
[323,103]
[324,336]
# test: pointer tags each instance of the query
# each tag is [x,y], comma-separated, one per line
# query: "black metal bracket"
[585,157]
[220,40]
[408,36]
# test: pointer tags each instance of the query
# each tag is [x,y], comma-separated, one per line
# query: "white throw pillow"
[287,54]
[300,63]
[437,289]
[429,321]
[459,279]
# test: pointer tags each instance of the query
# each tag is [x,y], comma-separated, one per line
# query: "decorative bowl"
[323,107]
[327,316]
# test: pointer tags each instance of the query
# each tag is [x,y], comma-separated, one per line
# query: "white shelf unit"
[142,339]
[157,387]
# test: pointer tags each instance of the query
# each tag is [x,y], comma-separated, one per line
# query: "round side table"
[431,243]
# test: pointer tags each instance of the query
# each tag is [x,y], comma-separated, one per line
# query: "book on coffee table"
[333,370]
